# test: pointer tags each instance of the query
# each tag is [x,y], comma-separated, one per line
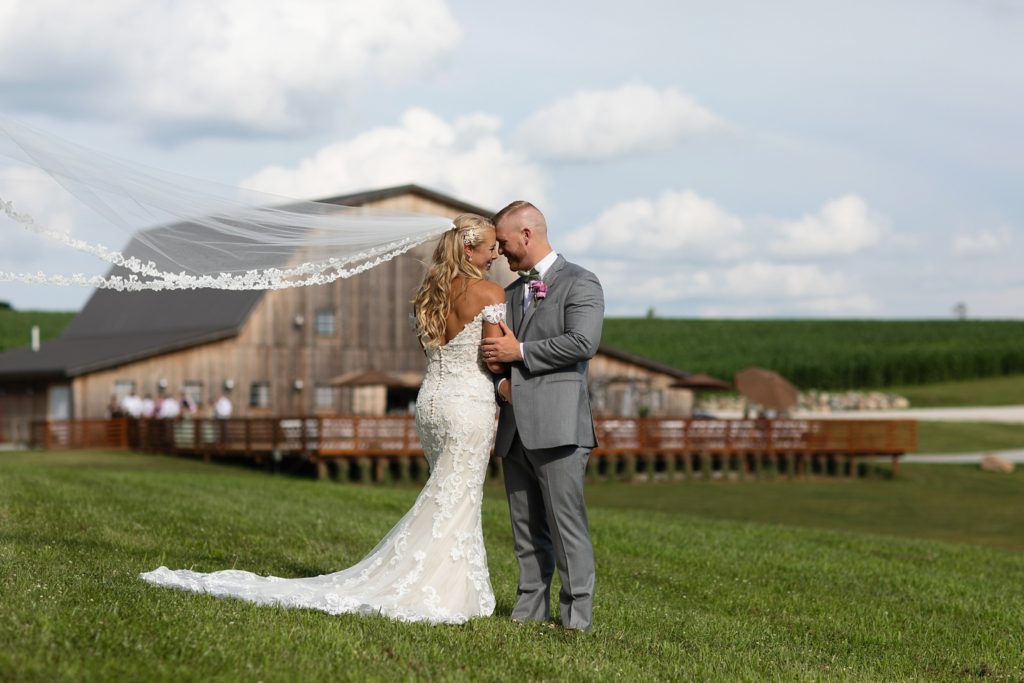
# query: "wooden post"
[405,467]
[648,462]
[674,466]
[341,469]
[363,464]
[629,467]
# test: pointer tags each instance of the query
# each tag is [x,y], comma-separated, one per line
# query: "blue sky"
[728,159]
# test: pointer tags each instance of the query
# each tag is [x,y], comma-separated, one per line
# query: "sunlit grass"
[683,593]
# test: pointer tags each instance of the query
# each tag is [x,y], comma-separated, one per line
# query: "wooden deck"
[631,448]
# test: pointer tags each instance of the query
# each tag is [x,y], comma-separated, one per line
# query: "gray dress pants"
[549,530]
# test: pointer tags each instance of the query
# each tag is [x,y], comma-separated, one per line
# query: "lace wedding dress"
[432,565]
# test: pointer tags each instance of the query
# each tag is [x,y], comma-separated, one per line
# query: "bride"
[432,566]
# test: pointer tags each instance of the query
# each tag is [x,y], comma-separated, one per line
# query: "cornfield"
[830,354]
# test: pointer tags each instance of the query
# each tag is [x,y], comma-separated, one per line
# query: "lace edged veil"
[184,233]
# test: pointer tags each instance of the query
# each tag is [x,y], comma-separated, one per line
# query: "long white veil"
[183,233]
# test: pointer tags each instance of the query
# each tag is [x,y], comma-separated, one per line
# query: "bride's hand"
[505,390]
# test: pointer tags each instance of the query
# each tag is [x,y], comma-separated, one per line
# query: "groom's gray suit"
[545,436]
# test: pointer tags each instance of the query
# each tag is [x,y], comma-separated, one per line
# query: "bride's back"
[469,296]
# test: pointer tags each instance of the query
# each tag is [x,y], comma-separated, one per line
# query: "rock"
[993,463]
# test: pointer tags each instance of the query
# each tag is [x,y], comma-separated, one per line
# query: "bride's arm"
[491,299]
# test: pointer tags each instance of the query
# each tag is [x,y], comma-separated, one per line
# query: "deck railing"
[629,447]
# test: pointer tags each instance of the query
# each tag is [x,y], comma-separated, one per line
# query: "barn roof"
[640,361]
[115,328]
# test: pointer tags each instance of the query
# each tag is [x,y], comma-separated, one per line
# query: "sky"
[798,159]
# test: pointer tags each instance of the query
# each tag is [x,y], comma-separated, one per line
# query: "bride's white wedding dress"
[432,565]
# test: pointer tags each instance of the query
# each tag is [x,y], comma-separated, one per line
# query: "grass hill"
[711,581]
[830,354]
[16,326]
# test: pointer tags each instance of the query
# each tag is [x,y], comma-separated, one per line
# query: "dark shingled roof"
[116,328]
[642,362]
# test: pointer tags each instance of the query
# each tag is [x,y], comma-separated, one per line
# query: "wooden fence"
[377,448]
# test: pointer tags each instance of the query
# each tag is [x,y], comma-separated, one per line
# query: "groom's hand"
[503,349]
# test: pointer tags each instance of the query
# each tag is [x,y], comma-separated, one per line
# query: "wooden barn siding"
[675,401]
[19,405]
[372,332]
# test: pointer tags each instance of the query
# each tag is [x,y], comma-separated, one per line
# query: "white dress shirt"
[543,266]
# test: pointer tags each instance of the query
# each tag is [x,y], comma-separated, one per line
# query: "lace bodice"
[432,566]
[456,371]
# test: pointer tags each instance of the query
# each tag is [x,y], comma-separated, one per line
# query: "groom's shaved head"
[523,214]
[522,234]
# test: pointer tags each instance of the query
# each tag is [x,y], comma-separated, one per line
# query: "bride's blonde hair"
[433,301]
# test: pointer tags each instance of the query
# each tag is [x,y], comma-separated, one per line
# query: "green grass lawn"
[687,590]
[968,437]
[993,391]
[956,503]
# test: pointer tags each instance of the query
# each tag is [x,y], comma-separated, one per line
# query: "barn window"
[259,395]
[323,396]
[123,387]
[324,324]
[193,389]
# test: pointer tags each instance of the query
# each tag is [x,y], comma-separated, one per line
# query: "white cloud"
[983,243]
[263,67]
[683,253]
[606,124]
[843,226]
[465,158]
[855,304]
[679,225]
[759,288]
[762,279]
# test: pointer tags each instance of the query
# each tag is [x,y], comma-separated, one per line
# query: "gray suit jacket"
[560,334]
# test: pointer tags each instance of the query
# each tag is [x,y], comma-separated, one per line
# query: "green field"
[992,391]
[968,437]
[16,326]
[830,354]
[828,580]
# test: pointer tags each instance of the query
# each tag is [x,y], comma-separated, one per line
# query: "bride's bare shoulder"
[485,292]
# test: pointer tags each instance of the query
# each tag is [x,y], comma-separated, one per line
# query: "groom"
[545,428]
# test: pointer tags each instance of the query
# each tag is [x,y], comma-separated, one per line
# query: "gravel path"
[967,414]
[971,414]
[1015,456]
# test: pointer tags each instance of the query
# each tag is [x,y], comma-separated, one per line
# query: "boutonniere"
[539,289]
